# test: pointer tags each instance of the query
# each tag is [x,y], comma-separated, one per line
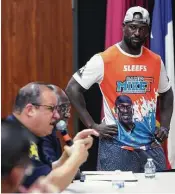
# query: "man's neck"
[128,127]
[129,50]
[22,120]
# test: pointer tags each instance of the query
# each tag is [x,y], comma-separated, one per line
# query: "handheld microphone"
[62,127]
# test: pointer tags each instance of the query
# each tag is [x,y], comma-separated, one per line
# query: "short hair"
[15,145]
[123,99]
[29,94]
[137,13]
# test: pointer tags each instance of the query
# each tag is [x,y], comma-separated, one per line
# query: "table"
[163,183]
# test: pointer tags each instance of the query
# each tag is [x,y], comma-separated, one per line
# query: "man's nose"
[67,115]
[56,114]
[125,109]
[137,32]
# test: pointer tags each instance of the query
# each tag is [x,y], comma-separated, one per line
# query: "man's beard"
[134,45]
[126,119]
[127,122]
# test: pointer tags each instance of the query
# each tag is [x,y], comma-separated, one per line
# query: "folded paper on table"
[109,175]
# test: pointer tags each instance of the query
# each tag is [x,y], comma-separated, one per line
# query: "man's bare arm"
[166,109]
[62,176]
[75,93]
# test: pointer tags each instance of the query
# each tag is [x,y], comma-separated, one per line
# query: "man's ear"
[148,33]
[29,110]
[132,111]
[116,110]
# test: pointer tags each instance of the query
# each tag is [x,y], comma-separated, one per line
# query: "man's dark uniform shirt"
[42,153]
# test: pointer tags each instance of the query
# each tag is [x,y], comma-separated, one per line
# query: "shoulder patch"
[33,153]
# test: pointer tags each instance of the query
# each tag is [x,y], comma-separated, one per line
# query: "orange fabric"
[128,148]
[117,67]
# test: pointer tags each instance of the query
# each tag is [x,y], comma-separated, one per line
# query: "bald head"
[62,97]
[30,93]
[36,108]
[63,103]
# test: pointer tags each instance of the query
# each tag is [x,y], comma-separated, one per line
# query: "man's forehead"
[137,23]
[63,100]
[125,103]
[62,97]
[48,95]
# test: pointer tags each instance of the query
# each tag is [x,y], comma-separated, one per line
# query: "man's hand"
[106,131]
[79,150]
[161,133]
[85,133]
[40,186]
[86,136]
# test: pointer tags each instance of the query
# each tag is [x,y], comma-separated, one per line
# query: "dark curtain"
[91,40]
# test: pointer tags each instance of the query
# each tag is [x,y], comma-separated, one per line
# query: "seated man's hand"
[86,136]
[85,133]
[105,131]
[161,133]
[40,186]
[78,150]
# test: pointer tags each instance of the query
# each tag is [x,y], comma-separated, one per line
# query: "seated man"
[49,146]
[36,110]
[15,144]
[15,163]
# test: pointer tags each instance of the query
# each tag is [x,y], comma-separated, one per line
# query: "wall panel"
[36,45]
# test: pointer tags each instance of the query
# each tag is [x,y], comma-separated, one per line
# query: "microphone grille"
[61,125]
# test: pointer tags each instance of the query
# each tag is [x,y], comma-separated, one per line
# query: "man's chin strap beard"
[129,44]
[128,126]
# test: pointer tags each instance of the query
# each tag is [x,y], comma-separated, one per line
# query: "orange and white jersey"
[139,77]
[115,69]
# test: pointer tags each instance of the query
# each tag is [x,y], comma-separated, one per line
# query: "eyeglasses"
[51,108]
[122,107]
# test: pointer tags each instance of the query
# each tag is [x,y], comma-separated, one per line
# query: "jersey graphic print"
[130,88]
[135,85]
[135,118]
[81,70]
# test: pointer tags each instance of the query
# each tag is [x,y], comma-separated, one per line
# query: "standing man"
[127,68]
